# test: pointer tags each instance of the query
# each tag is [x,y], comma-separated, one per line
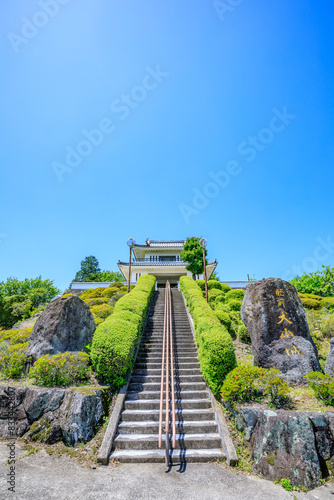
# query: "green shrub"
[234,294]
[215,294]
[286,483]
[310,303]
[61,369]
[220,299]
[243,384]
[101,311]
[201,284]
[328,303]
[247,383]
[215,346]
[224,288]
[13,344]
[92,293]
[323,386]
[234,304]
[110,292]
[12,357]
[97,301]
[243,335]
[115,340]
[213,284]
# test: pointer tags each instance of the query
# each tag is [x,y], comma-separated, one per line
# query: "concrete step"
[180,415]
[136,378]
[179,350]
[142,365]
[183,441]
[180,394]
[154,404]
[158,359]
[155,386]
[149,427]
[157,371]
[177,456]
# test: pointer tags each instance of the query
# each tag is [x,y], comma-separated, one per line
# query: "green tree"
[318,283]
[19,299]
[89,269]
[193,254]
[110,276]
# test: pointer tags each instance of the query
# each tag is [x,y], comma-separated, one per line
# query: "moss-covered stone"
[271,459]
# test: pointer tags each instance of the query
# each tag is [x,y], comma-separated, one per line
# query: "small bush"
[110,292]
[310,303]
[213,284]
[101,311]
[201,284]
[214,294]
[92,293]
[286,483]
[328,303]
[96,302]
[12,357]
[243,335]
[13,344]
[243,384]
[61,369]
[247,383]
[234,304]
[234,294]
[323,386]
[224,288]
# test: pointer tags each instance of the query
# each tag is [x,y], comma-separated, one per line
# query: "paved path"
[45,477]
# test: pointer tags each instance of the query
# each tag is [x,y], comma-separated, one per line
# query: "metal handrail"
[168,365]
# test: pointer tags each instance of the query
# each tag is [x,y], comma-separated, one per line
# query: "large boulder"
[289,444]
[66,325]
[277,325]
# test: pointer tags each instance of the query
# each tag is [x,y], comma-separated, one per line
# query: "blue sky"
[165,120]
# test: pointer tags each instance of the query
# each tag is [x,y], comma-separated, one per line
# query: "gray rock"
[50,415]
[66,325]
[38,401]
[277,325]
[284,447]
[81,415]
[12,398]
[248,419]
[329,368]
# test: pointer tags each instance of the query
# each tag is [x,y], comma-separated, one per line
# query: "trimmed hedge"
[215,346]
[115,340]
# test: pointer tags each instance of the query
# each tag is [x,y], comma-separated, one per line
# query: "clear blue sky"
[179,90]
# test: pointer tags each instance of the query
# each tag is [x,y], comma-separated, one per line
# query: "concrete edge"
[228,446]
[108,438]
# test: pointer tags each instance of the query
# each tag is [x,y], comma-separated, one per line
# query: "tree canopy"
[20,299]
[318,283]
[90,271]
[193,254]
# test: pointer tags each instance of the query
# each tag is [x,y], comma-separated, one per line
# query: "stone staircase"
[197,438]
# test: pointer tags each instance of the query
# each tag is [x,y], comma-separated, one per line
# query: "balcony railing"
[159,259]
